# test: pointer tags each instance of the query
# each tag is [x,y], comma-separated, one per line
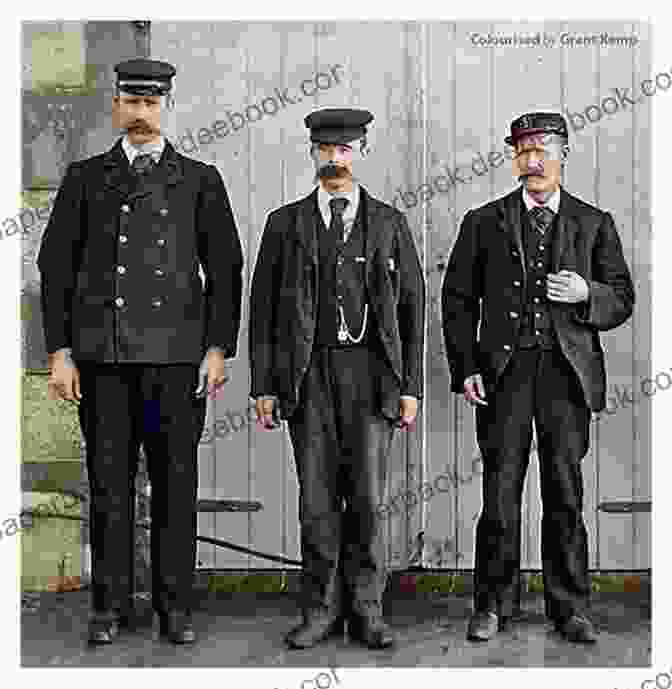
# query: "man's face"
[139,116]
[333,161]
[537,161]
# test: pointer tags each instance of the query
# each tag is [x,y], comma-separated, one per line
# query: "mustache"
[331,170]
[537,172]
[140,126]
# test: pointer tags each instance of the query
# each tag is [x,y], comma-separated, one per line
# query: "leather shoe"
[177,626]
[315,628]
[103,628]
[483,625]
[577,629]
[370,630]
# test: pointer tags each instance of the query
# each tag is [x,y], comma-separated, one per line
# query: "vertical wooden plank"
[474,127]
[264,71]
[614,191]
[641,273]
[442,226]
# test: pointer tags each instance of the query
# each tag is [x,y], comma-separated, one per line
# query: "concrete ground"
[245,629]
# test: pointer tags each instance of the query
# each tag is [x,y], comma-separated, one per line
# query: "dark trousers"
[341,443]
[122,406]
[538,385]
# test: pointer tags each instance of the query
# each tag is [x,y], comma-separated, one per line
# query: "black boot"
[317,626]
[177,626]
[366,626]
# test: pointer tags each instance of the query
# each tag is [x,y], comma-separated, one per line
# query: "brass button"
[164,211]
[161,242]
[121,270]
[507,348]
[538,315]
[539,283]
[540,264]
[541,247]
[537,332]
[536,300]
[156,302]
[125,208]
[516,283]
[123,238]
[159,273]
[119,301]
[513,314]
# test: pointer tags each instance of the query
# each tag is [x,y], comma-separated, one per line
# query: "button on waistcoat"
[146,277]
[537,329]
[342,282]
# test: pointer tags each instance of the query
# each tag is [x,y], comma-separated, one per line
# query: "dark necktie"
[143,163]
[337,226]
[541,218]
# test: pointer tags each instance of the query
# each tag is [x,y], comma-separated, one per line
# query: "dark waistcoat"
[537,329]
[342,283]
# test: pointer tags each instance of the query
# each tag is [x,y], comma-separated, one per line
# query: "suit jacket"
[157,234]
[484,286]
[283,301]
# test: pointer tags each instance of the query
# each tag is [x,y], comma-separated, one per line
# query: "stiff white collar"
[154,148]
[552,202]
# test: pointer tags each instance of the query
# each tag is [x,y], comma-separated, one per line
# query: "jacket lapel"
[117,171]
[374,228]
[566,230]
[171,165]
[305,229]
[510,223]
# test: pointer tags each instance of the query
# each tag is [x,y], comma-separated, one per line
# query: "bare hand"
[408,411]
[64,377]
[213,373]
[567,287]
[474,390]
[265,417]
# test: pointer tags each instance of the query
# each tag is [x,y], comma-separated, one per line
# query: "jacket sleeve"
[263,296]
[411,313]
[611,292]
[461,304]
[59,259]
[221,257]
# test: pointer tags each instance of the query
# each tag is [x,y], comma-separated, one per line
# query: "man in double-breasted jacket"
[336,348]
[141,269]
[532,280]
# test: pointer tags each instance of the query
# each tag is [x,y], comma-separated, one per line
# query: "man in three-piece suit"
[532,280]
[336,348]
[127,321]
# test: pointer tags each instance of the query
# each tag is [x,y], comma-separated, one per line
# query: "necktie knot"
[541,217]
[143,163]
[338,206]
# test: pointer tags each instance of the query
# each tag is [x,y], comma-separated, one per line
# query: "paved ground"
[246,630]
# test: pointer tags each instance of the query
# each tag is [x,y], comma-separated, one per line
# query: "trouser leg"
[106,419]
[366,438]
[316,454]
[504,432]
[563,427]
[173,421]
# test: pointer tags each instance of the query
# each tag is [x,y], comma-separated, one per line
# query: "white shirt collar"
[553,201]
[323,198]
[155,148]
